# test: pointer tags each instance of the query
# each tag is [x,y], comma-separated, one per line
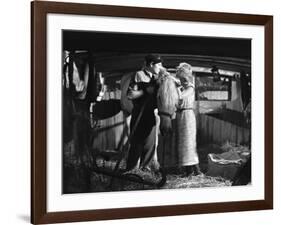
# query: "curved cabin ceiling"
[124,52]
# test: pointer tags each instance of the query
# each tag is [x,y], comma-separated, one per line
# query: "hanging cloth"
[80,84]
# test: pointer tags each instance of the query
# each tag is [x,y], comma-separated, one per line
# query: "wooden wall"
[214,130]
[109,132]
[209,128]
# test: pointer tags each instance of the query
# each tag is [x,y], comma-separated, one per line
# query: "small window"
[212,88]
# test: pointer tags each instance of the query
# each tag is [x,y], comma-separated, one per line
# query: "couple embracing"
[143,91]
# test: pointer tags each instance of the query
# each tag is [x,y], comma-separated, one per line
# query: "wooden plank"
[104,123]
[233,133]
[239,139]
[211,128]
[204,128]
[220,130]
[216,135]
[118,118]
[110,133]
[225,133]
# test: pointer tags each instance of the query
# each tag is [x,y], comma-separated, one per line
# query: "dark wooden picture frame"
[39,11]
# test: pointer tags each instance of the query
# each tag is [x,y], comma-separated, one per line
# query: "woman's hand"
[165,125]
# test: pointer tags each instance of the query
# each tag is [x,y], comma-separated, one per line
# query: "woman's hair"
[184,70]
[167,96]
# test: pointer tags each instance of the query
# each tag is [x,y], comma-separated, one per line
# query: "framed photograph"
[145,112]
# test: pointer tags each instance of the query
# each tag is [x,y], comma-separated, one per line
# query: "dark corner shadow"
[25,218]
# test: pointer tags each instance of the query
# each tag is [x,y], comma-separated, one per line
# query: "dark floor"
[79,179]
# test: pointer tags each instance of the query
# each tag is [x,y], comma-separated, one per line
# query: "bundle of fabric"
[229,163]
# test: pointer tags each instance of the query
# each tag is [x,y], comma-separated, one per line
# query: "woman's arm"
[187,92]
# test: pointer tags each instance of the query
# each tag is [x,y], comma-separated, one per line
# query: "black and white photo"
[147,111]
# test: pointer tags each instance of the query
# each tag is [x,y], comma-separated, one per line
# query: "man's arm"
[140,86]
[135,91]
[139,90]
[134,94]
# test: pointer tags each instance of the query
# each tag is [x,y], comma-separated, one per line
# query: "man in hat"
[142,91]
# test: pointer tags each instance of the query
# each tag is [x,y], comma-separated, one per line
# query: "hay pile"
[173,182]
[176,181]
[242,150]
[76,181]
